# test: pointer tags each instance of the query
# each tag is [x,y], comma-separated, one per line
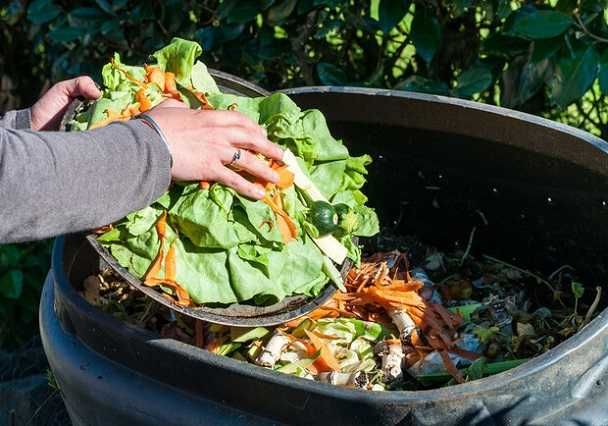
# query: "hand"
[48,110]
[204,142]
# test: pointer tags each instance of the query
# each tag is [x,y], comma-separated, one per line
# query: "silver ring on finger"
[235,157]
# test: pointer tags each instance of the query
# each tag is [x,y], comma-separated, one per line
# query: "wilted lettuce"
[228,248]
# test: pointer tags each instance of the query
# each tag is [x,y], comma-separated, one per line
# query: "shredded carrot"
[127,74]
[151,278]
[156,265]
[449,365]
[170,267]
[289,231]
[171,85]
[374,288]
[156,76]
[104,229]
[204,185]
[325,336]
[294,323]
[205,104]
[112,116]
[144,102]
[326,360]
[285,177]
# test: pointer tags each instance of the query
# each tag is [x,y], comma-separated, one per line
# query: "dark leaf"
[105,6]
[327,28]
[231,32]
[225,8]
[535,24]
[328,3]
[391,12]
[566,6]
[504,9]
[206,37]
[119,4]
[331,75]
[476,370]
[461,6]
[474,80]
[577,289]
[305,6]
[527,82]
[42,11]
[13,12]
[244,11]
[113,31]
[10,256]
[87,13]
[264,4]
[11,284]
[281,11]
[573,76]
[504,46]
[594,6]
[545,49]
[64,33]
[416,83]
[603,76]
[425,34]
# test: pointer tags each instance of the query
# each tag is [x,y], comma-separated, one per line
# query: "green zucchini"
[323,216]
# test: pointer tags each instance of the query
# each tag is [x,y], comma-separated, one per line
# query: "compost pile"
[448,319]
[400,322]
[201,243]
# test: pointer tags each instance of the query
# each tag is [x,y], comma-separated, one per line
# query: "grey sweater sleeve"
[20,119]
[53,183]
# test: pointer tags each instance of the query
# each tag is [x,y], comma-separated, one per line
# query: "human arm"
[55,182]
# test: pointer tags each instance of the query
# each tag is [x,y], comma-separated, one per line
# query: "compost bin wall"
[438,162]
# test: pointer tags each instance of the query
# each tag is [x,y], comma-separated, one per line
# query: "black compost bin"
[543,190]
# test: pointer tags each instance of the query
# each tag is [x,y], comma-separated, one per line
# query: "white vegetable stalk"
[403,321]
[273,350]
[357,379]
[328,244]
[392,358]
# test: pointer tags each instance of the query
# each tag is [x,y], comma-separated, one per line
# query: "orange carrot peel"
[152,277]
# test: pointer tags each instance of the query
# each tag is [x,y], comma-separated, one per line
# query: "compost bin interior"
[543,209]
[534,191]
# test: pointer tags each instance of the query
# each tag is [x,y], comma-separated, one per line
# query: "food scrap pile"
[201,243]
[451,318]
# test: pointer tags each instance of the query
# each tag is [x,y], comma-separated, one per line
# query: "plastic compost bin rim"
[554,355]
[504,112]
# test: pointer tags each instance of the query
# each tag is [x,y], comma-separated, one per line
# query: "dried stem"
[469,245]
[594,305]
[584,28]
[523,271]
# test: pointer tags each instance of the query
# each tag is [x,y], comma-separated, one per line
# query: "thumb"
[80,86]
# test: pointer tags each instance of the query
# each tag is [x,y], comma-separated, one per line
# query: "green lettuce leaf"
[229,248]
[202,80]
[178,57]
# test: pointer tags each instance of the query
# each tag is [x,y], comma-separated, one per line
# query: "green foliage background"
[544,57]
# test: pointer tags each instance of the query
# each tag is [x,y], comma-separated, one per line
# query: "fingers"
[250,163]
[239,183]
[263,146]
[216,118]
[244,138]
[80,86]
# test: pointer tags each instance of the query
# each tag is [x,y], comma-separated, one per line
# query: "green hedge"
[545,57]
